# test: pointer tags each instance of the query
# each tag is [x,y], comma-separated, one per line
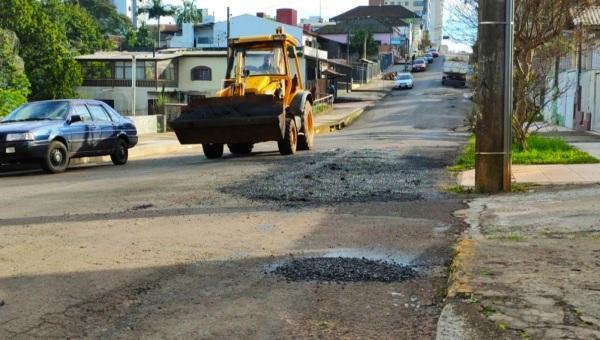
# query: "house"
[431,11]
[179,74]
[575,109]
[396,29]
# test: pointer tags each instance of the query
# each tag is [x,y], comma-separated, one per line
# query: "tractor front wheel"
[212,151]
[306,141]
[287,146]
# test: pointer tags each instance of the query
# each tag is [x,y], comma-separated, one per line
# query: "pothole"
[343,269]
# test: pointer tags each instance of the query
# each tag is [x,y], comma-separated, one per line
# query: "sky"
[305,8]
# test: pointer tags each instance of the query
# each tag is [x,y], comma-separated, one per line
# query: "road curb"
[340,124]
[137,153]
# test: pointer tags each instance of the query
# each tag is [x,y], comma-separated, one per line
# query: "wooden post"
[493,149]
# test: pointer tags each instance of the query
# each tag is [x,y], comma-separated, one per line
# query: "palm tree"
[188,13]
[155,10]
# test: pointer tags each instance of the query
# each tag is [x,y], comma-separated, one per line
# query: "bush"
[11,99]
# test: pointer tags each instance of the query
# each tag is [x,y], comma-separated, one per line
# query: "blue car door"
[81,133]
[105,133]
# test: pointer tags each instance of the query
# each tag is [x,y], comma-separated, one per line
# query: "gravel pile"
[341,269]
[342,176]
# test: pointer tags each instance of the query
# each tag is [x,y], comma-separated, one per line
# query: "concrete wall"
[560,111]
[218,65]
[145,124]
[249,25]
[122,97]
[185,39]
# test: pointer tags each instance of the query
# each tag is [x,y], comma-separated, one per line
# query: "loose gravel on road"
[342,176]
[343,269]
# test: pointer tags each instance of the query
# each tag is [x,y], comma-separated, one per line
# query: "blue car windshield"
[52,110]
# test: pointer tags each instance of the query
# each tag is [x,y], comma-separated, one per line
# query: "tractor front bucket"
[225,120]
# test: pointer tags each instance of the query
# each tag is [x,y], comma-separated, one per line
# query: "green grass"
[542,150]
[321,108]
[458,189]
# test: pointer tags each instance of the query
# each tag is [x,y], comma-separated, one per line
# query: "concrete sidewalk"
[527,268]
[544,174]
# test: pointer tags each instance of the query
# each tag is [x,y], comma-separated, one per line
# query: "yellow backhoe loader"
[263,100]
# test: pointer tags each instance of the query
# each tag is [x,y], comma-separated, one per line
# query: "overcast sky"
[305,8]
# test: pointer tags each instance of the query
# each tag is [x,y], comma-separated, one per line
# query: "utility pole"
[494,129]
[133,83]
[228,25]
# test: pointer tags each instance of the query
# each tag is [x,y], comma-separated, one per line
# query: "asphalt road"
[184,247]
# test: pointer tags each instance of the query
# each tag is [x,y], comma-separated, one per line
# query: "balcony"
[127,83]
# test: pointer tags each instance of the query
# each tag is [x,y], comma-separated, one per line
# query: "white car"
[404,81]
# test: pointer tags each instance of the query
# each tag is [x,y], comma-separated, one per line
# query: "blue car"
[53,132]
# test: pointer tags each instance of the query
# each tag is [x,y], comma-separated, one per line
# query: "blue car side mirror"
[74,119]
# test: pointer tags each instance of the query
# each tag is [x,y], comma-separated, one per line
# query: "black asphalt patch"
[342,176]
[343,269]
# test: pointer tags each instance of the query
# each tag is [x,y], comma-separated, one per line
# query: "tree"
[539,28]
[425,42]
[14,85]
[188,13]
[106,15]
[357,43]
[81,29]
[157,10]
[539,40]
[139,39]
[49,42]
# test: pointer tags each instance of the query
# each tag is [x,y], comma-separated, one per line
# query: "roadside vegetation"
[541,150]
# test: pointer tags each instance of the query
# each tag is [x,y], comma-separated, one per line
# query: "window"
[145,70]
[419,3]
[123,70]
[99,114]
[93,70]
[83,112]
[201,73]
[166,70]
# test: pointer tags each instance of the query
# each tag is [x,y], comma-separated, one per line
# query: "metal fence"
[323,104]
[362,74]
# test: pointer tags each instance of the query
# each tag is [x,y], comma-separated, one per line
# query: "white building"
[432,12]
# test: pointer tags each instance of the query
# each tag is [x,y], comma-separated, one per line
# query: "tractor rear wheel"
[287,146]
[240,148]
[212,151]
[306,141]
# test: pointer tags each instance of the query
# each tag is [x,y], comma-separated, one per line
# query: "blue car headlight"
[17,137]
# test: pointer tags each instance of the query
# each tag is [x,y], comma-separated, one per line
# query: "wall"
[249,25]
[185,39]
[218,65]
[561,110]
[122,97]
[145,124]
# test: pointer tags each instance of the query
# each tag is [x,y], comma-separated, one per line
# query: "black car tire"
[120,154]
[240,148]
[213,151]
[287,146]
[56,159]
[306,141]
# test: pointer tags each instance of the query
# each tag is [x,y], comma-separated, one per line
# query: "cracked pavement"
[178,246]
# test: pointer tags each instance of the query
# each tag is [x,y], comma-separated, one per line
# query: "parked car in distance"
[53,132]
[434,52]
[419,65]
[429,58]
[404,81]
